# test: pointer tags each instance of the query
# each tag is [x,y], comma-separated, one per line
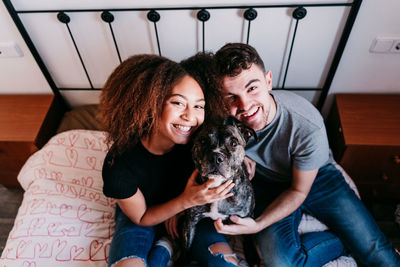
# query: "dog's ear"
[230,120]
[246,131]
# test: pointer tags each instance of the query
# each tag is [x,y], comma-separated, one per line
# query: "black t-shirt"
[159,177]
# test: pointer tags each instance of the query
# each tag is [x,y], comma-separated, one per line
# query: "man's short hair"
[232,58]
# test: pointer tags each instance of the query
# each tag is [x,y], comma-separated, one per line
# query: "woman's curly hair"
[132,99]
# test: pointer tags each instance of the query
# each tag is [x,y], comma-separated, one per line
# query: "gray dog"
[218,153]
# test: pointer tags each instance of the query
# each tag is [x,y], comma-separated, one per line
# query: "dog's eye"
[233,143]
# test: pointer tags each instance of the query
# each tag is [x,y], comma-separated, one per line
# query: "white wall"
[18,75]
[359,70]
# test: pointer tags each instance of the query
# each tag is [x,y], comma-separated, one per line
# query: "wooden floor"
[10,200]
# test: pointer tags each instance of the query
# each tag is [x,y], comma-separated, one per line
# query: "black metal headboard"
[249,15]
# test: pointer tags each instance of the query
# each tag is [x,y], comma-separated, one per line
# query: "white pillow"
[64,217]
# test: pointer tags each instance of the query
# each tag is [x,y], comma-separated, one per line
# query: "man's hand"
[171,226]
[250,167]
[240,226]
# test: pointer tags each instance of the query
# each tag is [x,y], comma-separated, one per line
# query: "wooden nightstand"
[364,134]
[26,124]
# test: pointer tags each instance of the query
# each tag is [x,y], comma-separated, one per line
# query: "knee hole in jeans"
[125,262]
[225,250]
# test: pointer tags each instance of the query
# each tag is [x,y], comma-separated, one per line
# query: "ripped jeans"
[334,203]
[205,237]
[134,241]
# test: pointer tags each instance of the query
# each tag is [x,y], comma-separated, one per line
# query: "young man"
[294,174]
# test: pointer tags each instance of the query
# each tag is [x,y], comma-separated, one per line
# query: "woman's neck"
[154,146]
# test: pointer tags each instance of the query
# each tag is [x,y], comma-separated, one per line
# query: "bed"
[64,219]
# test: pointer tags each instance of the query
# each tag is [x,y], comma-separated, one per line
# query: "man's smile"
[250,114]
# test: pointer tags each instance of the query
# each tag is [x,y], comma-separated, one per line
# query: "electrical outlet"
[385,45]
[10,49]
[396,46]
[381,45]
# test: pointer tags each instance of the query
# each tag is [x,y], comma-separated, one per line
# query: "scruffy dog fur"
[218,153]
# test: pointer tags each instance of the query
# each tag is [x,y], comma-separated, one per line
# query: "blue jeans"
[204,238]
[134,241]
[334,203]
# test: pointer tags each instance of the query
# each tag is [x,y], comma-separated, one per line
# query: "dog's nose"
[218,158]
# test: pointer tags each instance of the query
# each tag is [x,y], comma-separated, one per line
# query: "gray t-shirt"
[295,137]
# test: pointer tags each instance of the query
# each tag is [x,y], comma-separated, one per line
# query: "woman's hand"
[195,194]
[250,167]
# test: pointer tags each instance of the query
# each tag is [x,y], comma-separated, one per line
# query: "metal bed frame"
[250,14]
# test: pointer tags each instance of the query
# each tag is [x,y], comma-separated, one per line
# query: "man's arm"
[285,204]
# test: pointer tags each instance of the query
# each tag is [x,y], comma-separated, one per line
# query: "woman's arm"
[194,194]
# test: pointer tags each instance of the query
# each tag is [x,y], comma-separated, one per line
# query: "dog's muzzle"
[217,168]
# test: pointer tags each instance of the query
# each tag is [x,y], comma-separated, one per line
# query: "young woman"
[150,107]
